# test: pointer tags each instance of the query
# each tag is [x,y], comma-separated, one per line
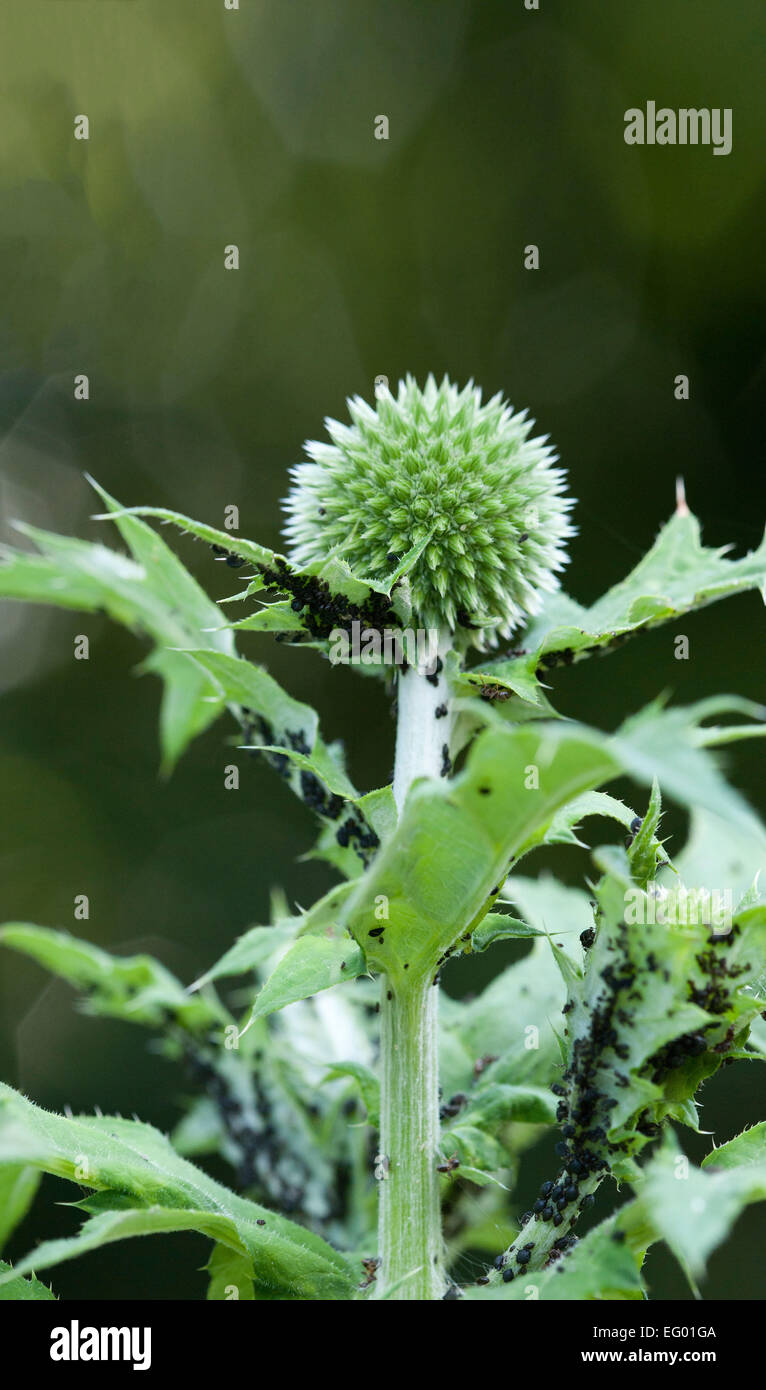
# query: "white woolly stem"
[421,737]
[411,1246]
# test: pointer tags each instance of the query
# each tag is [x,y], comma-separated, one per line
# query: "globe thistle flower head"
[437,469]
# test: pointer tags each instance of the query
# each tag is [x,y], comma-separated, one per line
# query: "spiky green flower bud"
[437,468]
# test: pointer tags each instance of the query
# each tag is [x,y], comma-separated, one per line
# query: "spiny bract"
[437,467]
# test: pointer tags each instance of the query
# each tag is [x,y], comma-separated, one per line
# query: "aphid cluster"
[356,832]
[713,995]
[584,1108]
[353,830]
[258,1148]
[548,660]
[264,1162]
[563,1244]
[583,1111]
[675,1053]
[261,1139]
[323,612]
[515,1260]
[257,729]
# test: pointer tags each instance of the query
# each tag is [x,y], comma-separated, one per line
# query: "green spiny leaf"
[136,988]
[670,745]
[23,1290]
[678,575]
[310,965]
[127,1158]
[500,926]
[748,1147]
[256,947]
[151,593]
[693,1209]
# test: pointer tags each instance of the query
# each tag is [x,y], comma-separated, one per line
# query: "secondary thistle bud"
[437,468]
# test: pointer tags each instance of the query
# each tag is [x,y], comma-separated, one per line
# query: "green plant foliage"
[329,583]
[737,855]
[693,1209]
[151,592]
[254,1115]
[652,1010]
[231,1276]
[126,1159]
[368,1085]
[678,575]
[456,843]
[136,988]
[23,1290]
[433,893]
[255,947]
[748,1147]
[18,1187]
[311,964]
[622,999]
[672,744]
[493,1028]
[500,926]
[673,1002]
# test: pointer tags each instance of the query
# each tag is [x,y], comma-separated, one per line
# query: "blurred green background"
[358,257]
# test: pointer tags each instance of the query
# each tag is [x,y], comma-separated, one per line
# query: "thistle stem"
[421,737]
[409,1229]
[410,1238]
